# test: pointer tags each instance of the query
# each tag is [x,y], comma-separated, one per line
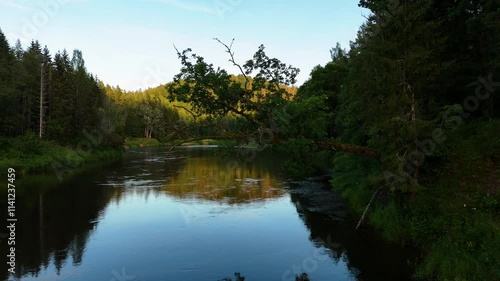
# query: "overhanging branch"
[365,151]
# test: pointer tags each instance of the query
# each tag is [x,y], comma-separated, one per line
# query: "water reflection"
[183,215]
[367,256]
[198,173]
[213,178]
[54,225]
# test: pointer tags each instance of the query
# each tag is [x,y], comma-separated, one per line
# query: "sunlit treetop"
[214,91]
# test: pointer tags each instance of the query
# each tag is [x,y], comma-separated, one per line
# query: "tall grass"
[455,220]
[29,155]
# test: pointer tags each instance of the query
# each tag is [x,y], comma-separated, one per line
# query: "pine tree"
[7,89]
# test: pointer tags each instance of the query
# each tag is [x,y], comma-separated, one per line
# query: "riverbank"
[206,203]
[152,142]
[30,156]
[455,219]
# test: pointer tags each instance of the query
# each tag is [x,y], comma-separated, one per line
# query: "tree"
[260,100]
[327,81]
[152,116]
[212,91]
[8,93]
[59,123]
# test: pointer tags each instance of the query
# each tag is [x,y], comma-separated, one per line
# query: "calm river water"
[161,215]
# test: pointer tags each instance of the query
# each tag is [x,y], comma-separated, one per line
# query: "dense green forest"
[408,114]
[54,113]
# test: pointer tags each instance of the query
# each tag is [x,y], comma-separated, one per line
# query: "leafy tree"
[212,91]
[327,81]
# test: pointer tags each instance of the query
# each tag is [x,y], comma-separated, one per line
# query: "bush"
[29,144]
[455,219]
[30,155]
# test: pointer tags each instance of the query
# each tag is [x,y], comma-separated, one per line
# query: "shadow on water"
[55,224]
[331,226]
[239,277]
[56,219]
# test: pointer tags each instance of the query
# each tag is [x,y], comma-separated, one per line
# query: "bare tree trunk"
[367,208]
[41,102]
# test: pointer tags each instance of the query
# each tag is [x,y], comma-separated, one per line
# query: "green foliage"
[481,135]
[145,113]
[57,91]
[29,144]
[304,158]
[141,142]
[65,97]
[307,117]
[410,70]
[29,155]
[259,108]
[454,220]
[389,220]
[327,82]
[351,179]
[213,91]
[469,251]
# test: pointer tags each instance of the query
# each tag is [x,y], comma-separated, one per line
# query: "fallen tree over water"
[331,145]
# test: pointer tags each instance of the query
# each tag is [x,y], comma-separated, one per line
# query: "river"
[188,214]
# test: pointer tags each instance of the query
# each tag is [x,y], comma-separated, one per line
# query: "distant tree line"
[54,97]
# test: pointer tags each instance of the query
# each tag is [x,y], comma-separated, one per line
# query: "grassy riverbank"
[144,142]
[28,155]
[455,220]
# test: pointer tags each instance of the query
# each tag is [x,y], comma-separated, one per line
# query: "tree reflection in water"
[55,223]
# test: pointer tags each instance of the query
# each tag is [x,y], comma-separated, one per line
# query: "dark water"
[165,215]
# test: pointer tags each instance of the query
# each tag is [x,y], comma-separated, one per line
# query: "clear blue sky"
[129,43]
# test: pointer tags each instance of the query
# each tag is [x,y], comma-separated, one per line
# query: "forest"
[407,116]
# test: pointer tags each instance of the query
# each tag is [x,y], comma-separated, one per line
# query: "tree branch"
[233,61]
[195,116]
[322,144]
[348,148]
[224,137]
